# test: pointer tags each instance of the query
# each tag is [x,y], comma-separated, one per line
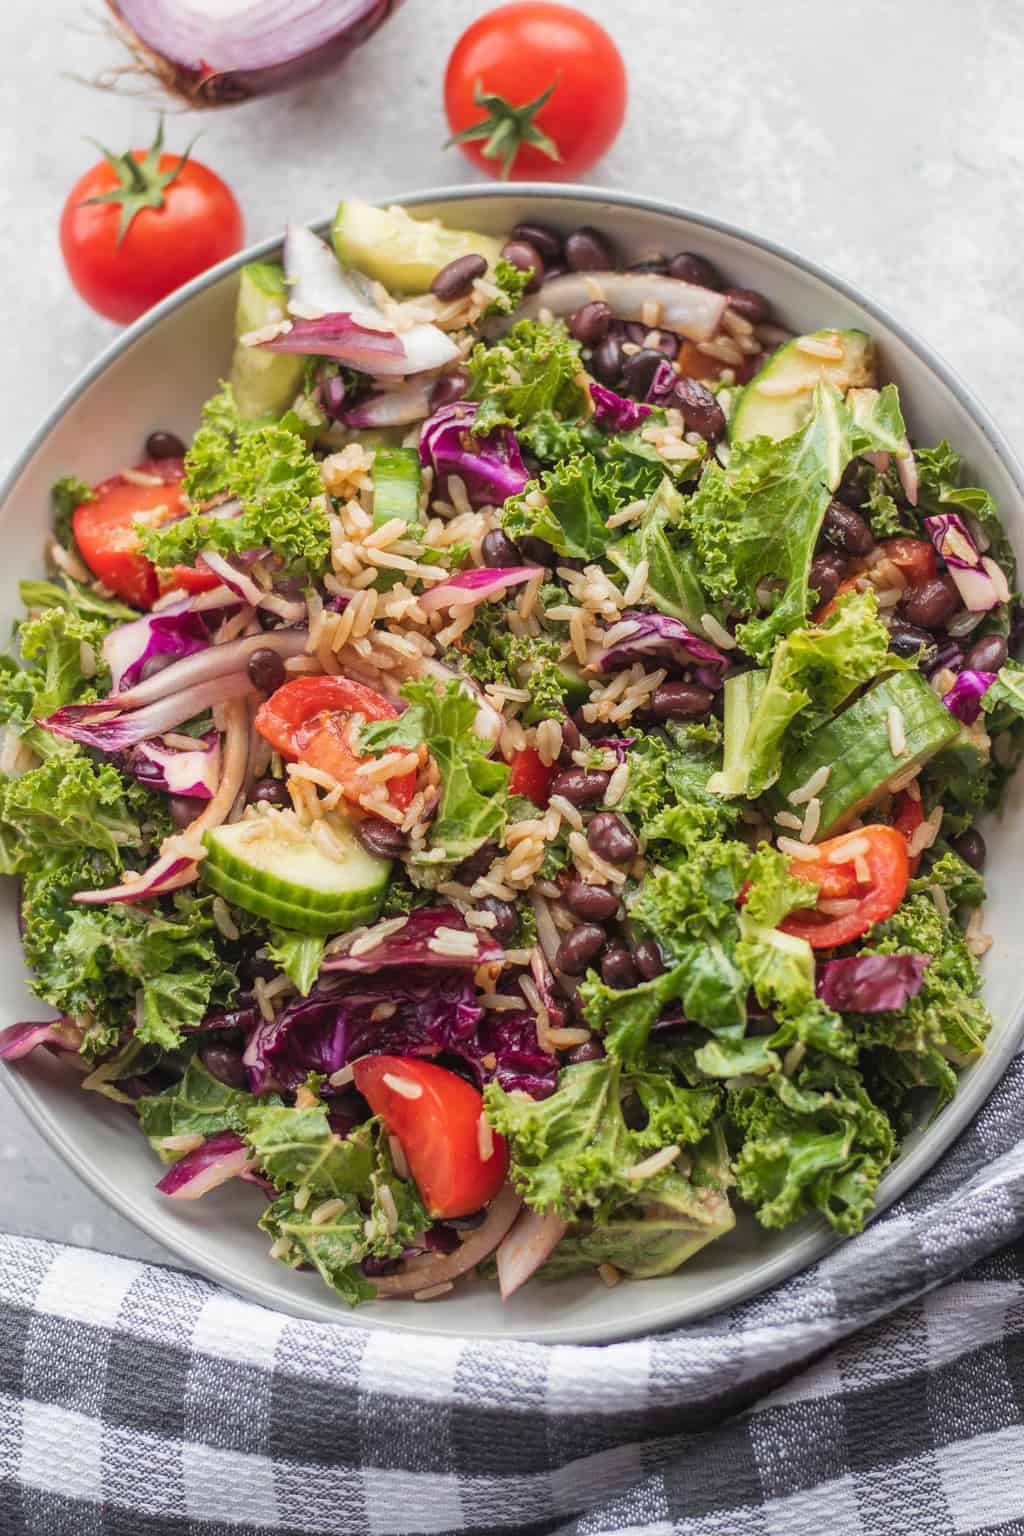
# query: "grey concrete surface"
[885,141]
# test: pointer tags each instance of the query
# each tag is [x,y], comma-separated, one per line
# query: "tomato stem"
[506,128]
[141,183]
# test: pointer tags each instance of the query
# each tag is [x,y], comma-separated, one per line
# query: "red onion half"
[217,52]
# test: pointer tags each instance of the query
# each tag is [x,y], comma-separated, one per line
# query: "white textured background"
[885,141]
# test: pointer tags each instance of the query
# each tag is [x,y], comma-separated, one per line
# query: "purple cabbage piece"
[662,638]
[221,1157]
[433,1012]
[620,745]
[172,632]
[964,698]
[980,582]
[410,945]
[662,388]
[175,771]
[17,1040]
[614,412]
[490,465]
[476,586]
[871,983]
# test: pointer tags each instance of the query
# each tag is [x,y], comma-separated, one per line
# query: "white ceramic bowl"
[158,374]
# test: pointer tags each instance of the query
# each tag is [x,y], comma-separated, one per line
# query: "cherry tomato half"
[874,874]
[437,1129]
[106,529]
[509,58]
[851,584]
[310,720]
[914,557]
[530,776]
[169,218]
[908,815]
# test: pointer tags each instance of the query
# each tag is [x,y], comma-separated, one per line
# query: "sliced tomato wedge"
[436,1117]
[869,866]
[312,720]
[530,776]
[908,815]
[828,609]
[107,528]
[188,578]
[914,557]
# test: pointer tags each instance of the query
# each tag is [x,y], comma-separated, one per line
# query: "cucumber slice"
[403,253]
[776,401]
[264,383]
[856,747]
[396,485]
[294,883]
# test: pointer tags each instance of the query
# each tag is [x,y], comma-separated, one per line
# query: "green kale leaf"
[534,368]
[299,956]
[199,1104]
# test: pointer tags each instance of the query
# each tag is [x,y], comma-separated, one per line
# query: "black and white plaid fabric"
[881,1393]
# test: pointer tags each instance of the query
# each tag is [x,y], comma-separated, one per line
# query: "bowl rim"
[812,1239]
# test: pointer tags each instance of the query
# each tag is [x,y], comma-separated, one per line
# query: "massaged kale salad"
[507,789]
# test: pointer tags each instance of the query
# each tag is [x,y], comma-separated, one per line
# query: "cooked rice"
[403,1086]
[655,1164]
[794,850]
[811,787]
[431,1291]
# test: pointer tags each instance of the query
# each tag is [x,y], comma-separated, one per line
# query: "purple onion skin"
[146,25]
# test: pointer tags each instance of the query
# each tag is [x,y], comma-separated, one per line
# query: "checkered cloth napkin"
[881,1393]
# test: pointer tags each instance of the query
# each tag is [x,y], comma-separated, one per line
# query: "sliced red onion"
[871,983]
[174,631]
[973,575]
[217,55]
[338,336]
[476,586]
[964,698]
[531,1240]
[659,635]
[243,586]
[109,729]
[681,307]
[169,873]
[221,1157]
[906,468]
[178,771]
[878,460]
[411,945]
[392,408]
[432,1269]
[17,1040]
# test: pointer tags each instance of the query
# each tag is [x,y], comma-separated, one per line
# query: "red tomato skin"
[531,777]
[908,815]
[307,720]
[189,579]
[516,51]
[199,225]
[106,528]
[914,557]
[889,873]
[437,1132]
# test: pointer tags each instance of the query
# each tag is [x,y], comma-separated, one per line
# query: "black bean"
[931,603]
[570,740]
[467,1223]
[580,786]
[987,654]
[850,490]
[680,701]
[451,386]
[164,445]
[266,670]
[538,552]
[152,665]
[701,411]
[225,1064]
[457,278]
[476,864]
[506,923]
[639,369]
[528,259]
[544,239]
[593,903]
[578,947]
[907,640]
[611,839]
[589,324]
[183,810]
[587,250]
[827,571]
[606,363]
[847,530]
[753,306]
[498,550]
[590,1050]
[691,268]
[441,1238]
[648,960]
[617,968]
[269,792]
[375,1267]
[655,263]
[970,845]
[381,838]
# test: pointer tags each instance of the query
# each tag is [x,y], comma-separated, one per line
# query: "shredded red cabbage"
[668,639]
[979,581]
[178,630]
[871,983]
[491,466]
[476,586]
[340,337]
[176,770]
[964,698]
[411,945]
[614,412]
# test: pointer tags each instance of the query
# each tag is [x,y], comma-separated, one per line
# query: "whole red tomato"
[535,90]
[138,225]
